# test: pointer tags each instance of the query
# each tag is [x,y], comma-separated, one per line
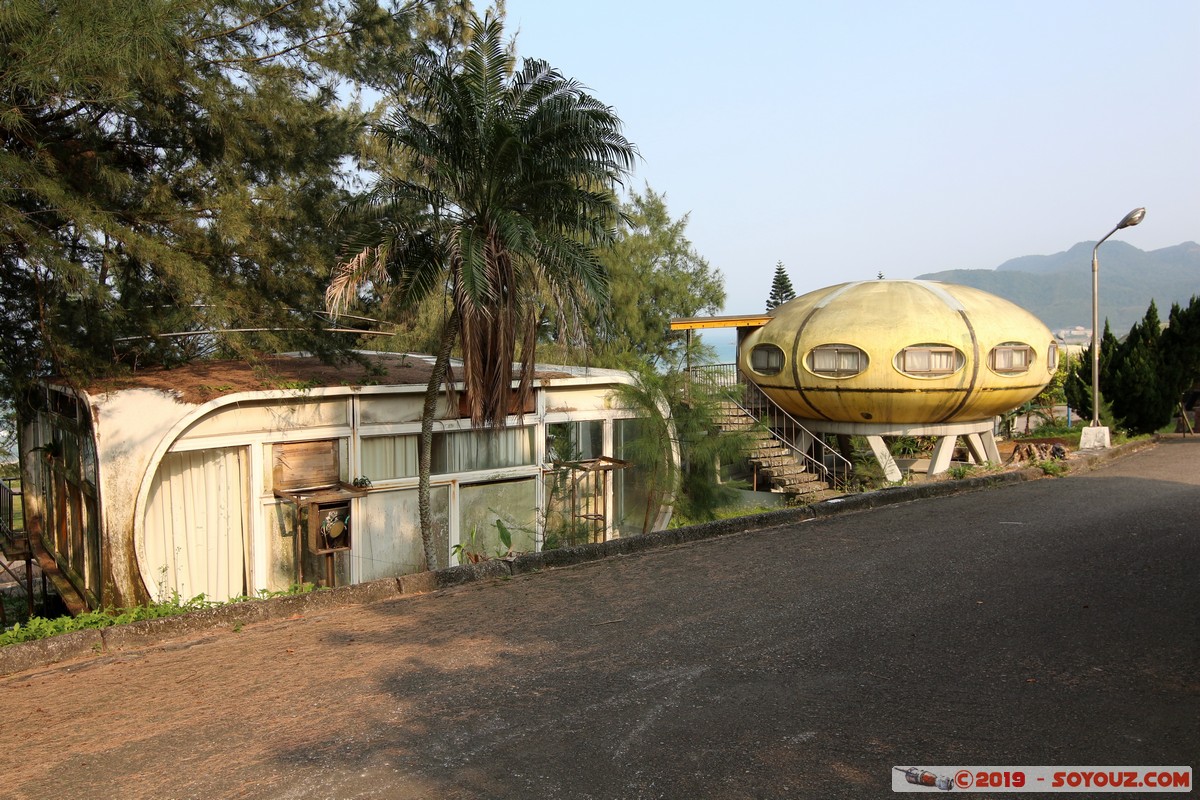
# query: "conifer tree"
[172,166]
[1181,346]
[1078,385]
[1152,368]
[655,273]
[781,288]
[1145,375]
[1134,385]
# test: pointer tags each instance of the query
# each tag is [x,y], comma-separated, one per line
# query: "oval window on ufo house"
[1011,358]
[766,359]
[1052,358]
[836,360]
[929,360]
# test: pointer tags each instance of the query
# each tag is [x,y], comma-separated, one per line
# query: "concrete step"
[797,479]
[817,495]
[778,463]
[771,448]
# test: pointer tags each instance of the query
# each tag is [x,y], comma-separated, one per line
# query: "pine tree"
[781,288]
[1181,346]
[655,274]
[1078,385]
[1132,374]
[172,166]
[1150,370]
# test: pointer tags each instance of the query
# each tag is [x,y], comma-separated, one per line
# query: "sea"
[723,343]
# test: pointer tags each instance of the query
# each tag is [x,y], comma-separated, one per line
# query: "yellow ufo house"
[891,358]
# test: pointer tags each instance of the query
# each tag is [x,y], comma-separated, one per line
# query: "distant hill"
[1058,288]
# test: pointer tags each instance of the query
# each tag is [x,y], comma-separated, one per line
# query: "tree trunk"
[425,447]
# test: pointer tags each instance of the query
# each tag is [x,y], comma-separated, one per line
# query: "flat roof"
[205,379]
[733,321]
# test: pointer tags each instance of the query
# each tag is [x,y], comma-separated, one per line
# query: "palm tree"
[503,185]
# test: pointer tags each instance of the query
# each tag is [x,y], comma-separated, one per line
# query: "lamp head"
[1132,218]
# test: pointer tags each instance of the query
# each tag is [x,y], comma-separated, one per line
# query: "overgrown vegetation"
[1144,376]
[494,190]
[681,446]
[43,628]
[1052,467]
[960,471]
[171,167]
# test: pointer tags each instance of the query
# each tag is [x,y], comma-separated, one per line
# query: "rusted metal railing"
[830,464]
[14,539]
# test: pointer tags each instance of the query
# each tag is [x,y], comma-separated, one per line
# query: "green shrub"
[1052,467]
[44,628]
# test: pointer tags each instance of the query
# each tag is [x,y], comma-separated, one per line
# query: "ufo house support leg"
[890,470]
[990,447]
[943,454]
[983,447]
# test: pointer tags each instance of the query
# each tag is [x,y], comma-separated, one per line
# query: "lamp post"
[1130,219]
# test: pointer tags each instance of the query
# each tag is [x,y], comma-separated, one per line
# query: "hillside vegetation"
[1058,288]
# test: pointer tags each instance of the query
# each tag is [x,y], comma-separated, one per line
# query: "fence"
[14,540]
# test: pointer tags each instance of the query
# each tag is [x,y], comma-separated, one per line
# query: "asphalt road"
[1055,622]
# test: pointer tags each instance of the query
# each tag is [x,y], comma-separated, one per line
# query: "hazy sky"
[908,136]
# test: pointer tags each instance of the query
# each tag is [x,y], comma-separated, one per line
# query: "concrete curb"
[147,633]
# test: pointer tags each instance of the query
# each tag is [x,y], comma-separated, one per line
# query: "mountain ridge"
[1057,288]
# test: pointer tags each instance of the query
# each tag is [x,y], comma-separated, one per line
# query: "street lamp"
[1132,218]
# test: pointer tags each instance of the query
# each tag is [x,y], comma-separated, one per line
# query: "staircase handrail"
[728,376]
[835,476]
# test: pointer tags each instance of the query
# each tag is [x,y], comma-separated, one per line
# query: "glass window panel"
[916,360]
[941,361]
[387,538]
[928,360]
[766,359]
[575,441]
[480,505]
[837,360]
[1011,358]
[825,361]
[389,457]
[471,450]
[635,505]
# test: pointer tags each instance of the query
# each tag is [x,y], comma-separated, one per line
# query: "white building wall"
[157,516]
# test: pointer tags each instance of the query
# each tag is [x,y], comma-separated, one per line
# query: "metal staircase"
[774,463]
[787,455]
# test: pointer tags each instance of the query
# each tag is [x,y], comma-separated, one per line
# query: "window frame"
[837,349]
[930,349]
[1012,347]
[773,350]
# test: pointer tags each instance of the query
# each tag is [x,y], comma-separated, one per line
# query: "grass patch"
[1052,467]
[43,628]
[731,511]
[1071,435]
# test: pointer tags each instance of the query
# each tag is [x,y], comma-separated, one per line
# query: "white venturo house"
[222,479]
